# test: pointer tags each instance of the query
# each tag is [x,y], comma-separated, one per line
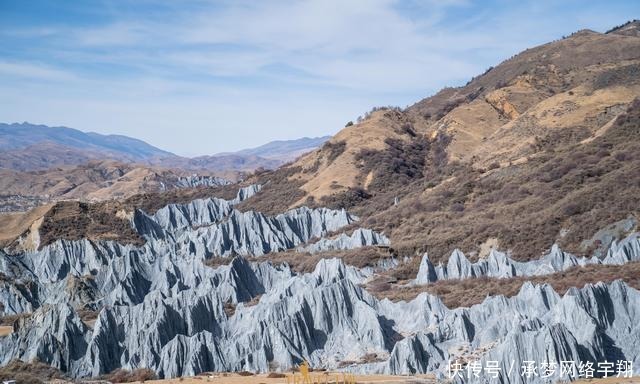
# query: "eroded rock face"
[196,213]
[201,181]
[158,306]
[326,318]
[213,228]
[361,237]
[499,265]
[90,275]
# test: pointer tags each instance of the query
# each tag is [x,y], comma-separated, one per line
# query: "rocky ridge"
[159,306]
[201,181]
[91,275]
[499,265]
[326,318]
[359,238]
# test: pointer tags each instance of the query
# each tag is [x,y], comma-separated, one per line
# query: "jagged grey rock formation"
[249,233]
[361,237]
[158,306]
[195,213]
[499,265]
[212,228]
[326,318]
[178,237]
[602,239]
[628,249]
[201,181]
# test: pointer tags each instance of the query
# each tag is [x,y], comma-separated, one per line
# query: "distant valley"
[28,147]
[40,164]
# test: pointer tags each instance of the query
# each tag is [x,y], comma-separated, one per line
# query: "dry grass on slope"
[30,373]
[541,102]
[338,170]
[464,293]
[13,225]
[562,84]
[551,61]
[301,262]
[564,195]
[333,169]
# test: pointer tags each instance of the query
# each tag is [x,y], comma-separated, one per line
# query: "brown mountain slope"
[537,150]
[335,166]
[565,90]
[630,28]
[45,155]
[562,195]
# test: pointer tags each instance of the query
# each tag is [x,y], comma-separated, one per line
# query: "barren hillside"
[93,181]
[539,149]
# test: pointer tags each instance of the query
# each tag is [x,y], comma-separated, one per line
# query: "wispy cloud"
[30,71]
[236,72]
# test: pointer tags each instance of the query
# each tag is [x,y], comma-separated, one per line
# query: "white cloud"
[236,73]
[366,45]
[25,70]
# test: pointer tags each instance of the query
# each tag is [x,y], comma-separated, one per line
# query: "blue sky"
[201,77]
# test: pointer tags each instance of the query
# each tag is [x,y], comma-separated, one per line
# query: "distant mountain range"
[22,135]
[284,150]
[268,156]
[28,147]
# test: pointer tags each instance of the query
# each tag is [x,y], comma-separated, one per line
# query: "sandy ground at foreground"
[233,378]
[317,377]
[610,380]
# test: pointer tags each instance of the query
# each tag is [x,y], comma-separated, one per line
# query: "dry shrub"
[400,162]
[302,262]
[406,271]
[246,373]
[255,300]
[370,358]
[74,220]
[10,319]
[346,363]
[278,192]
[229,309]
[467,292]
[29,373]
[88,315]
[126,376]
[215,262]
[576,188]
[345,199]
[276,375]
[334,150]
[151,202]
